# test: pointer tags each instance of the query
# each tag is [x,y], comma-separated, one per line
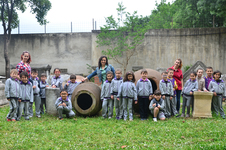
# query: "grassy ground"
[97,133]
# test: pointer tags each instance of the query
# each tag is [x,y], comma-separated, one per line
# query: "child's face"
[64,95]
[118,74]
[192,76]
[144,76]
[57,72]
[157,97]
[199,73]
[13,75]
[43,78]
[130,77]
[24,79]
[109,77]
[170,74]
[217,76]
[164,76]
[209,72]
[73,80]
[34,75]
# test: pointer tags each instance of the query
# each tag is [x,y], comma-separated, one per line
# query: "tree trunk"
[6,56]
[213,21]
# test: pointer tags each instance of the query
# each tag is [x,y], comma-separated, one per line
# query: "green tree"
[122,36]
[9,18]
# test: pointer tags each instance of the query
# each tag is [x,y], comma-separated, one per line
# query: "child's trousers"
[37,101]
[173,103]
[167,104]
[107,104]
[127,102]
[13,109]
[64,110]
[43,103]
[143,107]
[118,107]
[186,103]
[23,106]
[217,105]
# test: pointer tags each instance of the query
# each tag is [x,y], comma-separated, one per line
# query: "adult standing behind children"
[24,64]
[101,70]
[178,76]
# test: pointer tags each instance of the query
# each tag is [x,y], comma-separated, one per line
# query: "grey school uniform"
[70,88]
[161,109]
[115,85]
[26,97]
[173,102]
[166,89]
[190,86]
[107,101]
[64,109]
[57,81]
[128,93]
[12,91]
[37,99]
[219,88]
[43,95]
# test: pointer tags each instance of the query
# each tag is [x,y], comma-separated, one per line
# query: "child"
[26,95]
[43,85]
[157,106]
[173,102]
[115,85]
[187,93]
[128,92]
[12,90]
[201,81]
[63,105]
[144,92]
[208,78]
[36,91]
[57,81]
[218,88]
[166,89]
[71,85]
[107,106]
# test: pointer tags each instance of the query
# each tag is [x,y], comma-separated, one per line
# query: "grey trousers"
[13,109]
[37,101]
[167,104]
[173,103]
[217,105]
[23,106]
[63,110]
[127,102]
[118,107]
[186,103]
[107,107]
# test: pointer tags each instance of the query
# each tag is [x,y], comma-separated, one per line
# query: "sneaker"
[177,116]
[124,119]
[130,119]
[14,120]
[109,117]
[223,117]
[27,119]
[38,116]
[9,119]
[155,119]
[187,115]
[182,115]
[61,118]
[30,116]
[141,119]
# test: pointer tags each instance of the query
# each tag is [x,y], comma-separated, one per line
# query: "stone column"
[51,96]
[3,100]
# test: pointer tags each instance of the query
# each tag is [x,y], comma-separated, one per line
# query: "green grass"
[97,133]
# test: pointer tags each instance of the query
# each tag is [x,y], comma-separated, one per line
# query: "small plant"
[187,67]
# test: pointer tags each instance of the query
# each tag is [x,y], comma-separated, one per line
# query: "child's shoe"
[117,118]
[130,119]
[109,117]
[14,120]
[61,118]
[223,117]
[177,116]
[155,119]
[124,119]
[38,116]
[9,119]
[187,115]
[182,115]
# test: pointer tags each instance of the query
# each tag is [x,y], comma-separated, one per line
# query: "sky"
[80,13]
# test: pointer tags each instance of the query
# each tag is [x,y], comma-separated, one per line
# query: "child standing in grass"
[187,93]
[208,77]
[57,81]
[217,86]
[128,92]
[64,106]
[157,106]
[71,85]
[144,92]
[115,85]
[107,106]
[43,85]
[12,90]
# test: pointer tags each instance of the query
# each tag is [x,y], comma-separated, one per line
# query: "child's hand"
[206,91]
[163,97]
[191,93]
[171,98]
[8,99]
[223,99]
[19,100]
[150,97]
[47,85]
[112,97]
[84,79]
[118,99]
[135,102]
[154,104]
[34,86]
[158,106]
[64,104]
[59,104]
[214,93]
[54,86]
[199,90]
[67,84]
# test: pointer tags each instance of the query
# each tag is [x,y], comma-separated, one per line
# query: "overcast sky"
[80,13]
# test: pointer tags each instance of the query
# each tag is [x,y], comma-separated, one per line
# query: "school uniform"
[64,109]
[115,85]
[218,87]
[57,81]
[107,101]
[201,83]
[144,90]
[166,89]
[173,102]
[43,96]
[26,97]
[12,91]
[128,93]
[190,86]
[160,102]
[70,88]
[207,81]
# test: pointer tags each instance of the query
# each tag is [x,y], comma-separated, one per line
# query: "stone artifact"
[51,96]
[3,100]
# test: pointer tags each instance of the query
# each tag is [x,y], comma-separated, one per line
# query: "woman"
[24,65]
[178,76]
[101,70]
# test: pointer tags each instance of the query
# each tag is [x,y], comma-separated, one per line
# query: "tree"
[9,19]
[122,36]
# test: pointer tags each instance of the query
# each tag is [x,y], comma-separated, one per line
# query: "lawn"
[96,133]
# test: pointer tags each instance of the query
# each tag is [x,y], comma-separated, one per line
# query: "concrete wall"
[161,47]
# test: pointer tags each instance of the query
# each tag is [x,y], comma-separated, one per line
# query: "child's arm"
[120,91]
[32,96]
[162,106]
[210,87]
[66,86]
[57,103]
[171,90]
[204,86]
[150,89]
[134,91]
[137,86]
[112,85]
[7,93]
[69,107]
[161,88]
[151,106]
[20,93]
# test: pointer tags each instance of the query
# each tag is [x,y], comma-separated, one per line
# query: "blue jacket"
[98,72]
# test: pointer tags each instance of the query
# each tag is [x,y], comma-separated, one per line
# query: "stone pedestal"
[51,96]
[3,100]
[202,104]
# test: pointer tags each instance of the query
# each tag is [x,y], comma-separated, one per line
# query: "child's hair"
[56,69]
[165,72]
[157,92]
[63,90]
[72,76]
[110,72]
[14,71]
[209,68]
[170,69]
[43,75]
[99,62]
[193,72]
[34,71]
[217,71]
[144,71]
[199,69]
[24,73]
[29,59]
[126,76]
[118,69]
